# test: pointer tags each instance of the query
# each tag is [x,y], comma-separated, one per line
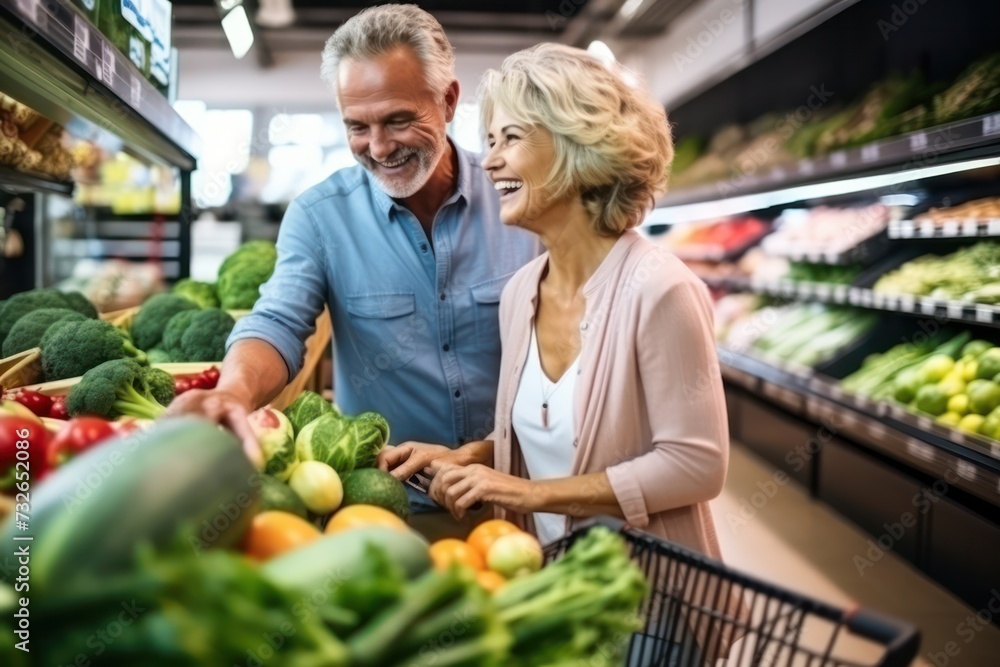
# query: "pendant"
[545,415]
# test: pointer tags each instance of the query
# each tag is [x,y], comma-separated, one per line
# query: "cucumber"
[339,557]
[184,479]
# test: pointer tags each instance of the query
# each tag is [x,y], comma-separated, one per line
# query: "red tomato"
[77,436]
[211,377]
[38,403]
[181,385]
[58,409]
[32,456]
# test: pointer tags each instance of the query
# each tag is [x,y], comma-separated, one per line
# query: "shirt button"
[446,347]
[442,296]
[576,441]
[583,326]
[423,247]
[458,393]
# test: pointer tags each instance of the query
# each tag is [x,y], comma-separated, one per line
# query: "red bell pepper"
[30,460]
[38,403]
[77,436]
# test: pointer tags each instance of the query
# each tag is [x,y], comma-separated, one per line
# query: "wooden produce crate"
[310,377]
[21,369]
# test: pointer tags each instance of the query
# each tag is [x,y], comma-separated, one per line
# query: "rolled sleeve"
[629,494]
[291,300]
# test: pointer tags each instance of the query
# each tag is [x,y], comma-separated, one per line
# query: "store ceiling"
[478,25]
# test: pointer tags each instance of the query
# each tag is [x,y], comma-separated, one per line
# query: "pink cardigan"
[650,409]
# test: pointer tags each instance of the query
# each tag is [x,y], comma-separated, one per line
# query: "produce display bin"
[782,627]
[310,377]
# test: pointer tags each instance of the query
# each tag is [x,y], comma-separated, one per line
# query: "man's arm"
[254,371]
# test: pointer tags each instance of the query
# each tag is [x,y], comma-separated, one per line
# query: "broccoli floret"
[113,389]
[205,337]
[158,355]
[239,288]
[70,349]
[149,323]
[201,294]
[78,302]
[258,250]
[21,304]
[171,342]
[161,384]
[27,332]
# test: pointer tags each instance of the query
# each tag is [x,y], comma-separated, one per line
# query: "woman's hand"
[458,488]
[409,458]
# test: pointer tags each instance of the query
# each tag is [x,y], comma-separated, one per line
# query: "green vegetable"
[27,332]
[150,322]
[174,331]
[71,348]
[971,423]
[936,368]
[113,389]
[257,250]
[991,425]
[157,355]
[957,276]
[183,474]
[200,293]
[515,555]
[959,403]
[989,364]
[931,399]
[339,442]
[318,485]
[977,91]
[277,442]
[204,337]
[308,406]
[23,303]
[333,560]
[975,348]
[277,495]
[951,386]
[371,486]
[239,288]
[161,385]
[79,303]
[984,396]
[949,419]
[906,385]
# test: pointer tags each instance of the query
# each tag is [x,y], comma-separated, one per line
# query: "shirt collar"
[386,204]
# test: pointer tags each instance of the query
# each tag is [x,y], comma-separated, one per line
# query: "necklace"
[545,399]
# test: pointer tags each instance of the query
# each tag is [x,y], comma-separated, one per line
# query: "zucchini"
[184,479]
[341,556]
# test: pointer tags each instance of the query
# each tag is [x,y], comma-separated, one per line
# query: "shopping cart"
[690,620]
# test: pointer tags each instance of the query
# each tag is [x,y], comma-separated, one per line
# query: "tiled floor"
[806,546]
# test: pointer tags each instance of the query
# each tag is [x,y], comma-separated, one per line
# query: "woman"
[610,399]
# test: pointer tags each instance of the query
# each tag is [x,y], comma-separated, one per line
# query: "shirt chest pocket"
[386,329]
[486,301]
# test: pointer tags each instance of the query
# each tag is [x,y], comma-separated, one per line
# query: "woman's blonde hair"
[612,142]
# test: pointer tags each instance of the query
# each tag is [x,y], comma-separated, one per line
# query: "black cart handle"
[901,640]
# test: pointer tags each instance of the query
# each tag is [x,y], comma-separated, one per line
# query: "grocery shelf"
[20,182]
[59,64]
[973,462]
[928,148]
[949,229]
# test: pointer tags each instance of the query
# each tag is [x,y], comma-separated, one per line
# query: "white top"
[547,449]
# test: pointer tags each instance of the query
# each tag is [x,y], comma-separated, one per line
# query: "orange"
[272,533]
[445,553]
[358,516]
[485,534]
[490,580]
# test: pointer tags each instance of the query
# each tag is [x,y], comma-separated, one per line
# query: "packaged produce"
[825,230]
[971,274]
[714,239]
[987,208]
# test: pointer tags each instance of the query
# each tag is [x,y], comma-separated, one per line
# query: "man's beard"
[423,160]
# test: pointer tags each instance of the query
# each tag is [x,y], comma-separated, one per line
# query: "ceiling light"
[602,52]
[630,8]
[275,14]
[236,25]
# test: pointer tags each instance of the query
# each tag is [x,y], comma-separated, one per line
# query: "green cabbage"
[308,407]
[342,443]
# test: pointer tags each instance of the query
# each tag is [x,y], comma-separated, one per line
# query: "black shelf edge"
[948,229]
[19,182]
[59,64]
[971,463]
[933,145]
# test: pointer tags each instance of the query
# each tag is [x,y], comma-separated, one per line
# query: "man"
[407,250]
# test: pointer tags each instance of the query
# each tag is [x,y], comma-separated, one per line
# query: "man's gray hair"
[378,30]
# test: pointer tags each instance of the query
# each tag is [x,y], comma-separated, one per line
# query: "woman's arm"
[410,458]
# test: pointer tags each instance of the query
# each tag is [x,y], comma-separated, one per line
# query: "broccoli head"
[201,294]
[113,389]
[158,355]
[71,348]
[171,342]
[239,288]
[259,251]
[204,338]
[23,303]
[161,384]
[149,323]
[78,302]
[27,332]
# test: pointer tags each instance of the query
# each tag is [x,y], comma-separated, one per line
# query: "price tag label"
[840,293]
[965,470]
[867,298]
[918,142]
[838,160]
[107,63]
[920,450]
[81,38]
[806,167]
[991,125]
[869,153]
[135,92]
[955,310]
[823,291]
[905,229]
[970,228]
[984,314]
[950,228]
[29,8]
[805,290]
[906,302]
[926,230]
[993,228]
[928,306]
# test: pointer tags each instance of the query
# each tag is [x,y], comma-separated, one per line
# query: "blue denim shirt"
[416,336]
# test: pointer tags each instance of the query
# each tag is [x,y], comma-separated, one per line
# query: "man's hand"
[409,458]
[222,407]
